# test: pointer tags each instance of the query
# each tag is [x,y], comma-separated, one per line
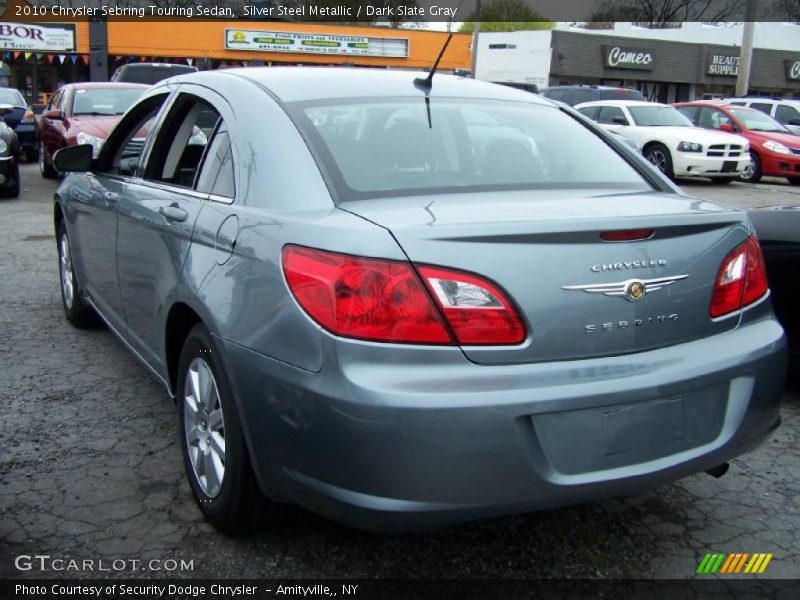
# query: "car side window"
[711,118]
[690,112]
[121,154]
[739,103]
[216,174]
[762,106]
[55,101]
[181,142]
[785,113]
[589,111]
[608,113]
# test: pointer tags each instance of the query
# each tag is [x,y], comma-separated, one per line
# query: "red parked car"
[774,150]
[82,113]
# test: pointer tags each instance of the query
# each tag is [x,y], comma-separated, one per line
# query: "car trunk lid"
[544,249]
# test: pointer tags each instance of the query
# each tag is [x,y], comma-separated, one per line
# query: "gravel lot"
[90,467]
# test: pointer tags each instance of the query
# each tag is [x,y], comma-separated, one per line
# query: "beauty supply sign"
[722,64]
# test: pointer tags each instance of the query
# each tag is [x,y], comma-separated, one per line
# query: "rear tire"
[214,450]
[47,171]
[659,157]
[752,173]
[78,313]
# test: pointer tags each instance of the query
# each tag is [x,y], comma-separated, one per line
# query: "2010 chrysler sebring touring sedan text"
[404,302]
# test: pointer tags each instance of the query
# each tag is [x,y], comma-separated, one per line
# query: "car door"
[95,199]
[157,215]
[51,131]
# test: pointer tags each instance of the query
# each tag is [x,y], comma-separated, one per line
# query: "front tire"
[13,190]
[47,170]
[752,172]
[660,157]
[78,313]
[212,441]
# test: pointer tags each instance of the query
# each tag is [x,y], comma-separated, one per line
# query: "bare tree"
[660,13]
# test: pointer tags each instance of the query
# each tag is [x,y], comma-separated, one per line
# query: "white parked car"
[670,141]
[784,110]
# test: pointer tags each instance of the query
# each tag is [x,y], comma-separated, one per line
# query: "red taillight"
[627,235]
[742,279]
[28,117]
[478,312]
[385,301]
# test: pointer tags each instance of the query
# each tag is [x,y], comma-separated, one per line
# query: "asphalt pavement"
[90,468]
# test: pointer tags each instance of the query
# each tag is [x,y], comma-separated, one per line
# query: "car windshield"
[12,97]
[658,116]
[755,120]
[388,147]
[104,101]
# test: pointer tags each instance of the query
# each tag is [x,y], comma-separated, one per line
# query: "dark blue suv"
[575,94]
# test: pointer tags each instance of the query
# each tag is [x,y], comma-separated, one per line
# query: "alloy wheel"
[747,172]
[204,427]
[67,274]
[657,158]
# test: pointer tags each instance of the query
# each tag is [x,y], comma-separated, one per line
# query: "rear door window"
[762,106]
[785,113]
[181,142]
[589,111]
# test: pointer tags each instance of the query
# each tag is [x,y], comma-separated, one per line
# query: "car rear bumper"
[430,439]
[26,136]
[780,165]
[691,164]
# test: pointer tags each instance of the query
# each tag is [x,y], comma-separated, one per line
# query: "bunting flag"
[61,58]
[28,55]
[189,61]
[16,54]
[50,58]
[85,58]
[73,58]
[143,58]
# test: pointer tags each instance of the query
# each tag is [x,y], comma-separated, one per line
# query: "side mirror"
[727,127]
[74,158]
[55,115]
[5,109]
[619,120]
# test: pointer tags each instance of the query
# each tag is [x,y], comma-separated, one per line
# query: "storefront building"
[693,61]
[39,57]
[668,71]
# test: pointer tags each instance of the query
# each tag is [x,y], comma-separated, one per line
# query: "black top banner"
[522,13]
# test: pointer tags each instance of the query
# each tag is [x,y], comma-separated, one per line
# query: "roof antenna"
[427,83]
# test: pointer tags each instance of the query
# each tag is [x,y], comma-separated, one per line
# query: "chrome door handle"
[174,213]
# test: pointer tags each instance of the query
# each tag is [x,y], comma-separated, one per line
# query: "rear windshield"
[151,75]
[393,147]
[104,101]
[12,97]
[621,94]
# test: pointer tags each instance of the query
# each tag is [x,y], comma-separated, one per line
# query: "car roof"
[87,85]
[620,103]
[151,65]
[298,84]
[765,100]
[712,104]
[578,86]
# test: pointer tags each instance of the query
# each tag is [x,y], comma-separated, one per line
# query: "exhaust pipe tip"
[719,470]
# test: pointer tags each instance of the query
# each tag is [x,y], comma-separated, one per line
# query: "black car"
[149,73]
[9,167]
[577,94]
[778,229]
[22,120]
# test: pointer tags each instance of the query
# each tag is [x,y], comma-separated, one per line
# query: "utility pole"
[746,53]
[476,32]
